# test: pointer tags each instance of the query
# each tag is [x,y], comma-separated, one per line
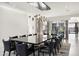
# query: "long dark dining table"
[25,40]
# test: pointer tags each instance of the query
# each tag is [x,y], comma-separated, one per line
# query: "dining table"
[25,40]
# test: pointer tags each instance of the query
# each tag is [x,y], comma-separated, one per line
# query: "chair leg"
[16,53]
[38,53]
[49,52]
[53,52]
[4,53]
[58,49]
[60,45]
[9,53]
[33,53]
[43,53]
[33,50]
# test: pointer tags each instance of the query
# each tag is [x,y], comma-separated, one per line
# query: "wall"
[15,22]
[12,22]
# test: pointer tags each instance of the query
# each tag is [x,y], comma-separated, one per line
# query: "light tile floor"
[74,41]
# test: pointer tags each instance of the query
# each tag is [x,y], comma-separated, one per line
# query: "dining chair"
[46,33]
[35,34]
[8,47]
[23,50]
[46,48]
[22,36]
[13,42]
[30,35]
[57,45]
[60,40]
[13,37]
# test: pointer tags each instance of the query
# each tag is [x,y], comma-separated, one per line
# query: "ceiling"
[57,8]
[63,8]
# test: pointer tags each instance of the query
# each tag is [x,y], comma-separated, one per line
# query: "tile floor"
[74,41]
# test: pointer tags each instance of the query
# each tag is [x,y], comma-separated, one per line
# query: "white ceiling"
[63,8]
[57,8]
[22,6]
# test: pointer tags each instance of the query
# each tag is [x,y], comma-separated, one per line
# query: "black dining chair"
[46,33]
[23,50]
[8,47]
[60,37]
[57,45]
[22,36]
[35,34]
[13,42]
[46,48]
[30,35]
[13,37]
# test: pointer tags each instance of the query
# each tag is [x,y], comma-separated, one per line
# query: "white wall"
[15,22]
[12,22]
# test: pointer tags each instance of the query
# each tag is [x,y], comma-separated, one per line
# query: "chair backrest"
[35,34]
[23,36]
[49,44]
[6,45]
[21,49]
[46,33]
[13,42]
[13,37]
[60,38]
[30,35]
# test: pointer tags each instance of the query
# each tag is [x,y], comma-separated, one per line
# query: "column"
[67,29]
[76,31]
